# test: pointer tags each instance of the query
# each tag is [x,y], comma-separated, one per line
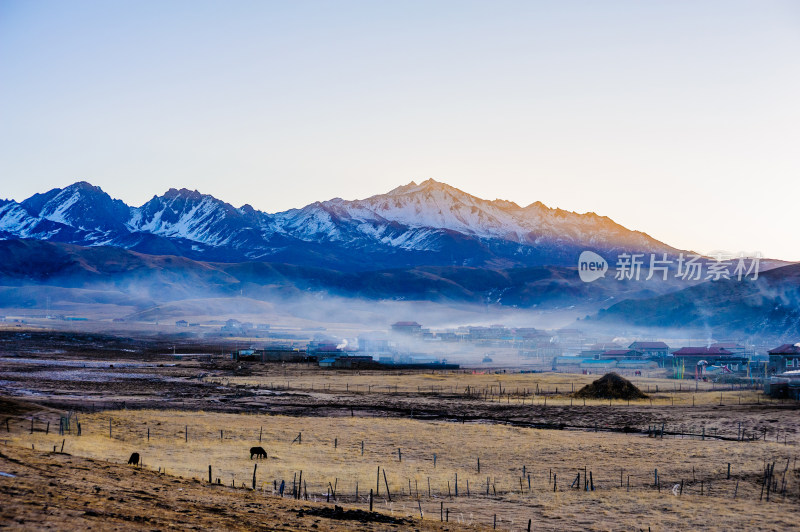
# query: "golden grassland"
[59,491]
[520,388]
[330,454]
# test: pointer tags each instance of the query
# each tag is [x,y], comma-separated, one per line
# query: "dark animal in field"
[258,452]
[134,459]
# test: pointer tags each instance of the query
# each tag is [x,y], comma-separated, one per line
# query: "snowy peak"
[190,215]
[81,206]
[432,204]
[15,220]
[401,189]
[429,189]
[430,223]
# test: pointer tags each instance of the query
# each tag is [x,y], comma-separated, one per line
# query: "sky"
[680,119]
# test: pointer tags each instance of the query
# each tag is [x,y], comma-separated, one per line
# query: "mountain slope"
[155,278]
[433,204]
[768,306]
[35,273]
[81,206]
[427,224]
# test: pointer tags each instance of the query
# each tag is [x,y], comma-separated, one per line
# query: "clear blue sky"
[678,118]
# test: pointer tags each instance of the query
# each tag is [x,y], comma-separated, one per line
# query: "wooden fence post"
[300,485]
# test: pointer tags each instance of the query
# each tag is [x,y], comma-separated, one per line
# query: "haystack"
[611,386]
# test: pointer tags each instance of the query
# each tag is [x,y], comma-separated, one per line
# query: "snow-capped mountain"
[195,217]
[80,206]
[437,205]
[427,223]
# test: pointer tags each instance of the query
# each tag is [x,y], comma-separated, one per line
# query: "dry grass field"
[59,491]
[521,388]
[330,456]
[425,431]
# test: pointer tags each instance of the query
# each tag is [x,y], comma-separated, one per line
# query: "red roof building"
[784,358]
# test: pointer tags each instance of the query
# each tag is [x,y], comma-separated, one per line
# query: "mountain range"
[430,223]
[426,242]
[154,279]
[767,306]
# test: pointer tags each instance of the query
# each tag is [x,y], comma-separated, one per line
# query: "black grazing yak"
[134,459]
[258,452]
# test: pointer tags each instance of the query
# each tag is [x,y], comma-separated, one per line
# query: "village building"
[651,349]
[273,354]
[637,364]
[495,332]
[407,327]
[694,360]
[620,354]
[448,336]
[546,351]
[348,362]
[568,364]
[374,343]
[599,348]
[784,358]
[784,386]
[570,340]
[327,362]
[231,326]
[599,363]
[733,347]
[594,365]
[658,351]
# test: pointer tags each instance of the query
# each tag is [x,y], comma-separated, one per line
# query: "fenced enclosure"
[472,473]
